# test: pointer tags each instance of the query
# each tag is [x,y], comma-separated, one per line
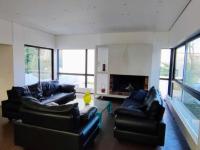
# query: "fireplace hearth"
[123,84]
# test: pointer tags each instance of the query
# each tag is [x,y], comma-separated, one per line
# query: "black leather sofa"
[55,127]
[43,93]
[139,119]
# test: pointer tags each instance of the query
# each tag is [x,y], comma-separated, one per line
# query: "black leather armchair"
[141,122]
[55,127]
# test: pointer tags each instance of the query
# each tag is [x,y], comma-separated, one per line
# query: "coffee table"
[101,106]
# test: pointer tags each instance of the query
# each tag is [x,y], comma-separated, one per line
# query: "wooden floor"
[105,140]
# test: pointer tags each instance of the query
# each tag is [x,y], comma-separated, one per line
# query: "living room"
[111,49]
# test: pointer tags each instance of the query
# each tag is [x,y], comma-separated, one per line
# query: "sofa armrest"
[161,132]
[87,114]
[90,126]
[67,88]
[138,125]
[130,112]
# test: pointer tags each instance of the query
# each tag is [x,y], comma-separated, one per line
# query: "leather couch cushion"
[138,125]
[36,90]
[50,87]
[138,95]
[133,113]
[18,92]
[155,110]
[67,88]
[61,109]
[57,97]
[131,104]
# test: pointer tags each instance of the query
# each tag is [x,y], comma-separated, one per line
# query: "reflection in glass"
[177,92]
[193,106]
[192,77]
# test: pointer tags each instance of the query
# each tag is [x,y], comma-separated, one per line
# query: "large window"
[76,66]
[38,64]
[186,84]
[164,71]
[179,63]
[192,77]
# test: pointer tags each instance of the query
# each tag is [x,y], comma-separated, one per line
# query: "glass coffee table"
[101,106]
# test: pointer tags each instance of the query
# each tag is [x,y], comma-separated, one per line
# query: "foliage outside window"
[38,64]
[186,86]
[192,77]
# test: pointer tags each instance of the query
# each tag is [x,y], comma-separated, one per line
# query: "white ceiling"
[93,16]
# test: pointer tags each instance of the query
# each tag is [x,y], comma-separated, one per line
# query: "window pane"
[90,82]
[163,87]
[192,77]
[31,65]
[77,80]
[90,63]
[177,92]
[45,65]
[72,61]
[179,64]
[193,105]
[165,63]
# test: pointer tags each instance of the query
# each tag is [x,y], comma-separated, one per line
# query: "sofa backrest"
[37,90]
[155,109]
[50,87]
[16,93]
[63,117]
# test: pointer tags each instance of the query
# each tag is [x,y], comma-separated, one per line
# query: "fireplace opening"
[122,84]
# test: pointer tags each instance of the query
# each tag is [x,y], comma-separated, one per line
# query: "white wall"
[187,25]
[24,35]
[5,32]
[6,73]
[157,40]
[130,59]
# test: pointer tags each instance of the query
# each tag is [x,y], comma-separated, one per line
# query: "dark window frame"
[185,87]
[86,74]
[52,59]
